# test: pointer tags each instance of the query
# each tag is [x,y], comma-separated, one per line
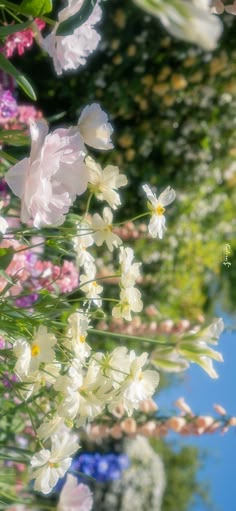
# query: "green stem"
[132,219]
[126,336]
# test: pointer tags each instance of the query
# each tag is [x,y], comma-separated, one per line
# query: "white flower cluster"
[83,388]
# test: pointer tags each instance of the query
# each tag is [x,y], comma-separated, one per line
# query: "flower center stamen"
[159,210]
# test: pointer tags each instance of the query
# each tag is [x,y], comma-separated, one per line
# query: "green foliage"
[36,7]
[11,29]
[182,466]
[75,21]
[22,81]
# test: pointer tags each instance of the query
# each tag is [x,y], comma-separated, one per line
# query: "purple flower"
[8,104]
[26,301]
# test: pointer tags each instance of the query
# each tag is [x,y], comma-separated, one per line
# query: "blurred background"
[173,109]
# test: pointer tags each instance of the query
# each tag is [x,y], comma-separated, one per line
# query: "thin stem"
[126,336]
[132,219]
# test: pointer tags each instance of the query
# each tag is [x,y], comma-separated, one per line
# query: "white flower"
[129,270]
[114,365]
[103,230]
[94,127]
[104,183]
[187,20]
[130,301]
[50,427]
[49,466]
[84,395]
[74,496]
[91,288]
[139,385]
[3,222]
[31,355]
[48,182]
[71,51]
[81,242]
[77,333]
[156,225]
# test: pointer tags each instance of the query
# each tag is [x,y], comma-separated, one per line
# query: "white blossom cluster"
[82,388]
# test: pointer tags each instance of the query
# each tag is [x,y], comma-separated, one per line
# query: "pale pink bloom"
[96,131]
[183,406]
[71,51]
[48,181]
[74,496]
[176,423]
[219,409]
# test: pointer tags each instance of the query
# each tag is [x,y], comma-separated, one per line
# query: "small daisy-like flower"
[157,205]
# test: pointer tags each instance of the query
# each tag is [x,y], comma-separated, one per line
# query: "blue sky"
[201,392]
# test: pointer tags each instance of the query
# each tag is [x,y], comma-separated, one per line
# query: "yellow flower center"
[94,283]
[159,210]
[35,350]
[82,338]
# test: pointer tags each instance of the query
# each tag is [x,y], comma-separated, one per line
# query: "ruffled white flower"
[94,127]
[74,496]
[49,466]
[129,271]
[82,241]
[3,221]
[71,51]
[30,356]
[130,301]
[103,230]
[91,288]
[105,182]
[156,225]
[48,182]
[191,21]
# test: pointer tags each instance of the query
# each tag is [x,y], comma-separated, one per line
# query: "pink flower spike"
[74,496]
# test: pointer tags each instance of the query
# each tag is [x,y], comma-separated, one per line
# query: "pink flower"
[20,41]
[74,496]
[71,51]
[48,181]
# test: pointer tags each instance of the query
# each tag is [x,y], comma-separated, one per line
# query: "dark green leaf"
[11,29]
[36,7]
[22,81]
[6,256]
[69,25]
[13,137]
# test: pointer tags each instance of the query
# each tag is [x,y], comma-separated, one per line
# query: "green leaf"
[22,81]
[6,256]
[36,7]
[69,25]
[13,137]
[7,157]
[11,29]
